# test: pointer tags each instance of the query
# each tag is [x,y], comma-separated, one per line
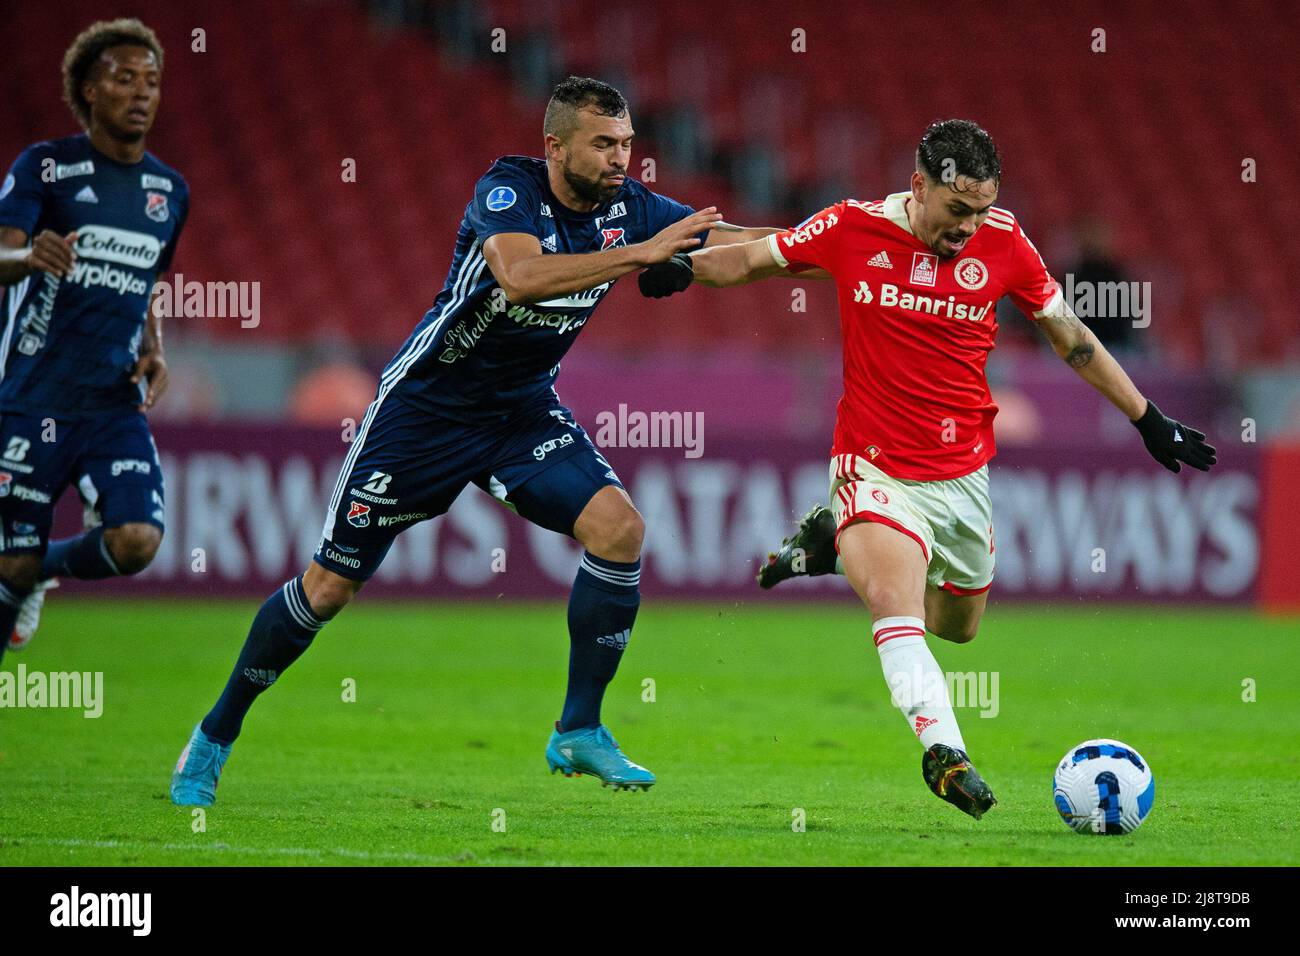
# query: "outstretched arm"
[735,264]
[525,275]
[1168,441]
[719,266]
[1083,351]
[725,234]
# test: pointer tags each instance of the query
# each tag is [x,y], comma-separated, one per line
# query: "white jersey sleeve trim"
[1054,305]
[775,249]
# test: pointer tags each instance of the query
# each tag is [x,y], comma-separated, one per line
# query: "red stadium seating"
[1150,135]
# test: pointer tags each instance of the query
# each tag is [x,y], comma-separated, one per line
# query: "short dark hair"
[575,93]
[86,50]
[955,147]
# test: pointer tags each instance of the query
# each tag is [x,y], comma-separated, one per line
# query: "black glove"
[665,278]
[1170,442]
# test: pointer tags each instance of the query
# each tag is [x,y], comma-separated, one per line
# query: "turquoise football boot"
[593,750]
[194,781]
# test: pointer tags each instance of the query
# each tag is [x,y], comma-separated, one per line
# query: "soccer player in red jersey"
[919,274]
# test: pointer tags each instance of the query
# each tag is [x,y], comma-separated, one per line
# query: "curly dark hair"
[574,93]
[86,50]
[954,147]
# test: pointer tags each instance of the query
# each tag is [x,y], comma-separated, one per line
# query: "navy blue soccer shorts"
[111,458]
[407,465]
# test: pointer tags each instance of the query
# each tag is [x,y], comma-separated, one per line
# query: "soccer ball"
[1104,787]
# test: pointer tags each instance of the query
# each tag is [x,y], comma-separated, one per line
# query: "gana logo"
[122,246]
[546,447]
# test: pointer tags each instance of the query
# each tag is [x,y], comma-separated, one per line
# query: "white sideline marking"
[227,848]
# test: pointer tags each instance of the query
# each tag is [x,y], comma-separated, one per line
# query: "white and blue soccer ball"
[1103,787]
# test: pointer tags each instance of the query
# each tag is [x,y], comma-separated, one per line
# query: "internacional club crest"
[970,274]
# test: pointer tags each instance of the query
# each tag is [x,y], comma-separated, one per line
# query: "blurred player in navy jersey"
[87,224]
[470,398]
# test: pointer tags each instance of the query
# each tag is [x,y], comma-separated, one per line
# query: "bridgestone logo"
[376,499]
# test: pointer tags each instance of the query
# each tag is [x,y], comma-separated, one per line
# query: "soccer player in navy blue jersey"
[87,224]
[470,398]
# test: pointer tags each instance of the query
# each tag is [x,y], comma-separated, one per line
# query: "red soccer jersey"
[917,331]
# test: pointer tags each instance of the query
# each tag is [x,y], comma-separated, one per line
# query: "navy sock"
[282,630]
[11,598]
[85,557]
[602,610]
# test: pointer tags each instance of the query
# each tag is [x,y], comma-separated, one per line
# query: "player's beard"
[942,251]
[589,190]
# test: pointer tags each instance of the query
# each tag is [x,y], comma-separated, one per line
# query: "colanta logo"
[123,246]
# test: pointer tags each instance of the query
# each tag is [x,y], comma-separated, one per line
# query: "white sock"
[918,686]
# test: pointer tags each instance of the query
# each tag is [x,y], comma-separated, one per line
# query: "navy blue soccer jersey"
[475,356]
[70,344]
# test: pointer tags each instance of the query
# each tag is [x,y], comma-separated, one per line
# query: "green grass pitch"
[758,712]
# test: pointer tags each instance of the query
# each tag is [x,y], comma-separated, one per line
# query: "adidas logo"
[568,752]
[617,641]
[549,243]
[86,195]
[923,722]
[259,676]
[880,259]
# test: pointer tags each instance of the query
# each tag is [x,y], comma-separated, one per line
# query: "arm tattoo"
[1069,321]
[1080,355]
[1067,325]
